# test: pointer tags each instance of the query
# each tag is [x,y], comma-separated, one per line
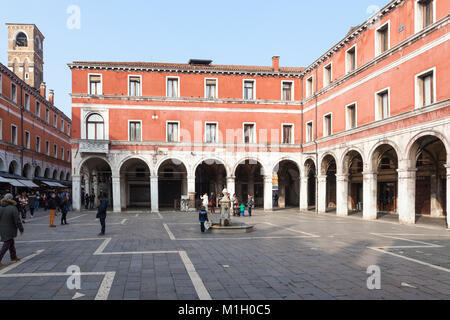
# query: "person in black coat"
[63,208]
[202,217]
[101,213]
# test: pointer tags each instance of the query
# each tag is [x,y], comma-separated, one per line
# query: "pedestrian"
[92,200]
[69,201]
[52,205]
[242,209]
[101,213]
[23,203]
[38,199]
[250,204]
[86,201]
[45,200]
[63,208]
[212,203]
[9,223]
[202,217]
[32,203]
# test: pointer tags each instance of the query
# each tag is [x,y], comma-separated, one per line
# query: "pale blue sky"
[227,32]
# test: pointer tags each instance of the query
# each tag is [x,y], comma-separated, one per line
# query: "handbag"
[207,225]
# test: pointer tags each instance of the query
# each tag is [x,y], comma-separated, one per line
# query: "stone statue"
[205,201]
[225,209]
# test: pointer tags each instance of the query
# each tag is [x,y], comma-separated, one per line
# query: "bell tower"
[25,53]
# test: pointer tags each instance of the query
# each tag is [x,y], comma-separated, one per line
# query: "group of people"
[237,207]
[89,200]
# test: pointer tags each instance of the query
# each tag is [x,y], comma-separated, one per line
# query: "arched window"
[21,40]
[95,127]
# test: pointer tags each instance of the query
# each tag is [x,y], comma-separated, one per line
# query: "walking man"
[101,213]
[9,223]
[52,205]
[63,208]
[250,204]
[32,203]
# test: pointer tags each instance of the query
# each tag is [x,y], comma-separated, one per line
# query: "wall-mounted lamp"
[155,117]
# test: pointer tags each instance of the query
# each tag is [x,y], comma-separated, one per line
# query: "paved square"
[290,255]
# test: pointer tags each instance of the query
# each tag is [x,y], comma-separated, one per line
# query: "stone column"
[191,192]
[436,209]
[281,194]
[231,185]
[87,184]
[342,195]
[123,192]
[304,193]
[322,194]
[268,200]
[116,193]
[154,193]
[370,195]
[448,196]
[76,193]
[407,195]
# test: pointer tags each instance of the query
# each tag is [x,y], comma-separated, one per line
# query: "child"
[236,210]
[242,208]
[203,217]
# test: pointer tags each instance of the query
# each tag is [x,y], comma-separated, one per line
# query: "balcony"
[94,146]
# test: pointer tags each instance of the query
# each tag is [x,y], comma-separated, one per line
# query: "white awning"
[4,180]
[54,184]
[28,183]
[15,183]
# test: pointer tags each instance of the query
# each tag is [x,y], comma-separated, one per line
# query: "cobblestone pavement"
[290,255]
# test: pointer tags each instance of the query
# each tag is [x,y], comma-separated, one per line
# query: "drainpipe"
[301,107]
[315,144]
[22,130]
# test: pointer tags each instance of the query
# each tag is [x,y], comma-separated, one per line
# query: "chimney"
[276,63]
[43,88]
[51,96]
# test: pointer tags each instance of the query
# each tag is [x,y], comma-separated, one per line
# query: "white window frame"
[377,38]
[140,84]
[47,148]
[129,121]
[38,109]
[324,133]
[292,133]
[377,106]
[217,131]
[55,150]
[324,72]
[68,155]
[27,99]
[292,89]
[309,91]
[89,83]
[68,129]
[55,120]
[13,98]
[217,87]
[347,120]
[27,143]
[255,138]
[418,18]
[418,102]
[167,135]
[62,152]
[62,124]
[47,115]
[254,89]
[309,139]
[17,133]
[347,63]
[178,86]
[38,145]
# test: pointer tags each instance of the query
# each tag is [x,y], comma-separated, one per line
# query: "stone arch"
[250,158]
[325,161]
[173,183]
[135,175]
[37,172]
[344,157]
[371,164]
[207,159]
[277,163]
[27,171]
[55,174]
[175,160]
[85,160]
[47,173]
[14,168]
[124,160]
[68,176]
[412,146]
[288,174]
[61,176]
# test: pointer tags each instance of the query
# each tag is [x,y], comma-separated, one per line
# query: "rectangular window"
[211,89]
[287,91]
[1,129]
[62,125]
[327,79]
[351,116]
[1,84]
[211,132]
[38,109]
[55,122]
[68,155]
[426,7]
[27,101]
[350,59]
[13,134]
[309,131]
[425,89]
[249,133]
[327,125]
[172,88]
[27,140]
[382,39]
[47,148]
[68,129]
[55,151]
[134,86]
[62,153]
[309,87]
[288,134]
[47,115]
[13,92]
[135,130]
[172,132]
[382,104]
[95,84]
[249,90]
[38,144]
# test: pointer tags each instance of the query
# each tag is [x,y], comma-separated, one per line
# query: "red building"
[363,128]
[35,135]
